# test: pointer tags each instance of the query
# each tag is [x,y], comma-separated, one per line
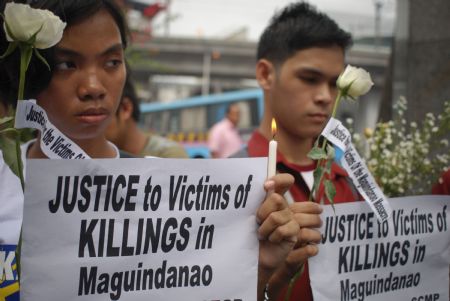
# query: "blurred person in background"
[223,138]
[124,130]
[443,184]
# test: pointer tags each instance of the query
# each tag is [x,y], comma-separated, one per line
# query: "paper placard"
[141,229]
[404,258]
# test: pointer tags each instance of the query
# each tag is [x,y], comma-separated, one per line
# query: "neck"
[232,124]
[135,140]
[293,148]
[95,148]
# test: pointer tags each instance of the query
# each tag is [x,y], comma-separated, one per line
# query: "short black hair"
[299,26]
[129,92]
[231,105]
[38,76]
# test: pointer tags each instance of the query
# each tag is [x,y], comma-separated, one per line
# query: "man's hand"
[278,231]
[307,215]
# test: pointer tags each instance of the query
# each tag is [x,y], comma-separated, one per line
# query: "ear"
[125,109]
[265,73]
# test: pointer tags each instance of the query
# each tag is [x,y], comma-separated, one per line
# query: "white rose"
[24,21]
[354,81]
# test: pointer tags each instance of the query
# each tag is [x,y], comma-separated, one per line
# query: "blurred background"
[190,58]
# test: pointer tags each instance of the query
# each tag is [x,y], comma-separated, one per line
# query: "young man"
[124,131]
[224,139]
[300,56]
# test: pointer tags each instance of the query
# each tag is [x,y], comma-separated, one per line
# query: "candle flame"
[274,127]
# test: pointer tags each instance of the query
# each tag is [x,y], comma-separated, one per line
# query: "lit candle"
[272,160]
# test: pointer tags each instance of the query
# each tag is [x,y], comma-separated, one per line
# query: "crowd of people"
[89,96]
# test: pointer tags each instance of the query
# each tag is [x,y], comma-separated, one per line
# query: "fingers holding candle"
[278,229]
[277,222]
[279,183]
[274,201]
[307,214]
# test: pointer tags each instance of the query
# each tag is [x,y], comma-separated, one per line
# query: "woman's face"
[87,82]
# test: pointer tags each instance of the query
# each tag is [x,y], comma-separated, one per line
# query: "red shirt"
[258,146]
[443,186]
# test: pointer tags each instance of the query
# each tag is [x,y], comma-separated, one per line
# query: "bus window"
[174,121]
[193,119]
[189,120]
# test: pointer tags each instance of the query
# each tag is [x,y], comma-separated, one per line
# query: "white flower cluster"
[407,159]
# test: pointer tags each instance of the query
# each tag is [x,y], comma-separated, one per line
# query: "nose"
[324,94]
[91,86]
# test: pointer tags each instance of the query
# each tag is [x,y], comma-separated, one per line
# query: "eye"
[113,63]
[65,65]
[309,79]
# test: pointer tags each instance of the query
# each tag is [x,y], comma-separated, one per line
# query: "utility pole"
[206,78]
[378,7]
[167,19]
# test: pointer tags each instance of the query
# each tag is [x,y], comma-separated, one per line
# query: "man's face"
[234,114]
[117,130]
[88,79]
[114,130]
[303,91]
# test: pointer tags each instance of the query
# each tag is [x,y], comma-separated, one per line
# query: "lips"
[93,115]
[319,117]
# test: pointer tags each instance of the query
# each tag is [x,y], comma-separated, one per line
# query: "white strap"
[54,143]
[337,134]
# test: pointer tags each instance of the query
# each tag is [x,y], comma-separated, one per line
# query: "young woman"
[82,92]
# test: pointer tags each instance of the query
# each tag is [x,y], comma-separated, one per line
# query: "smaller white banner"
[404,258]
[54,144]
[339,136]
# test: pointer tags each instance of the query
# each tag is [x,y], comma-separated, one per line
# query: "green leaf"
[317,153]
[41,58]
[351,98]
[331,153]
[6,122]
[344,90]
[318,174]
[328,167]
[316,143]
[11,47]
[32,39]
[9,149]
[330,192]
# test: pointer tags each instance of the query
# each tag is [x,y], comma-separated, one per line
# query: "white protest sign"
[339,136]
[54,143]
[141,229]
[404,258]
